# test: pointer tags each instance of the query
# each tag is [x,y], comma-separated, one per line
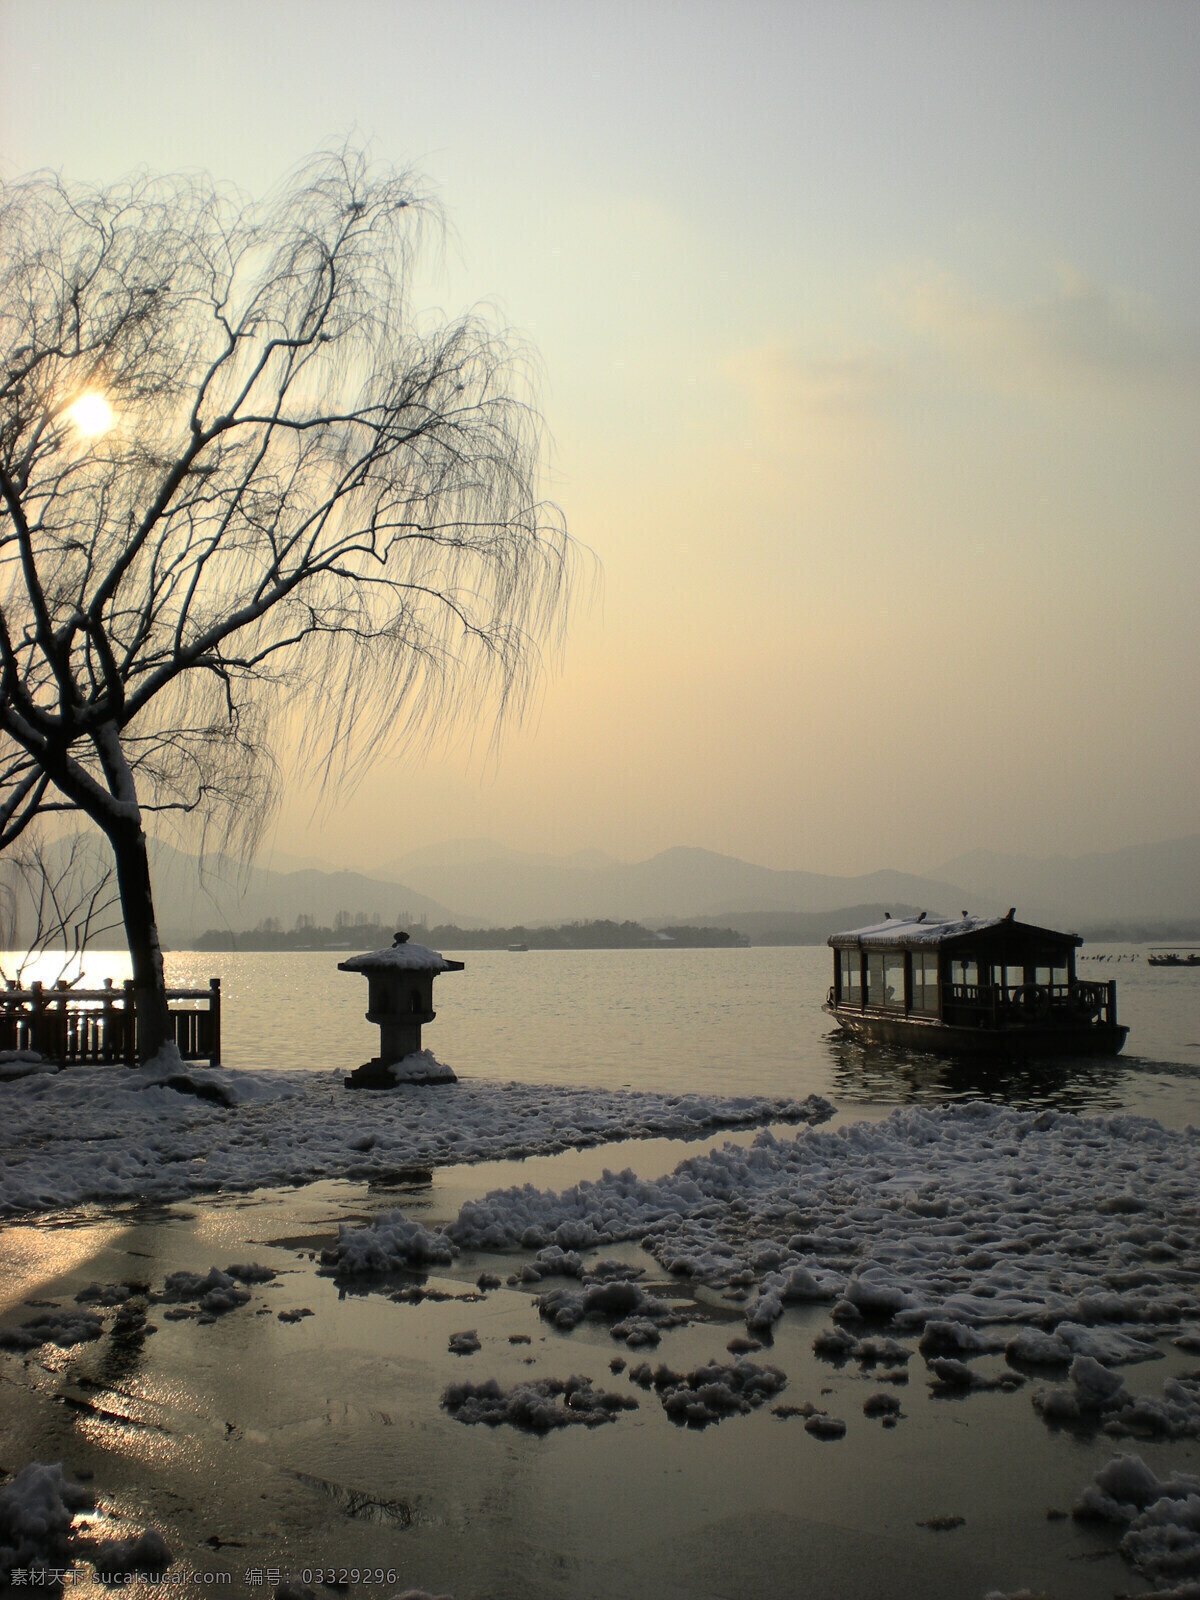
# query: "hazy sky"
[871,346]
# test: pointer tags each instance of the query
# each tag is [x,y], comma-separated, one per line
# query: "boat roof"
[909,933]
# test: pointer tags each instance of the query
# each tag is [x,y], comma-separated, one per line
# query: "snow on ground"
[113,1134]
[1084,1231]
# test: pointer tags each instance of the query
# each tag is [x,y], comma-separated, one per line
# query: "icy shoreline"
[978,1213]
[111,1135]
[1004,1249]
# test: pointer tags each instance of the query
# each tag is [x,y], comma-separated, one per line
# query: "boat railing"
[1032,1002]
[98,1025]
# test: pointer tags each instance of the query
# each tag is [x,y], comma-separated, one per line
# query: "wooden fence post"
[130,1024]
[41,1024]
[106,1024]
[214,1009]
[62,1027]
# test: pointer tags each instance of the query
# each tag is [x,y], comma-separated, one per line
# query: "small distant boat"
[1176,956]
[518,947]
[968,985]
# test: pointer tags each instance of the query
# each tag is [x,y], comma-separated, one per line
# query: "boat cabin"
[968,983]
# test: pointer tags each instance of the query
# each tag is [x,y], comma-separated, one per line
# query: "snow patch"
[62,1328]
[214,1292]
[36,1511]
[23,1064]
[636,1317]
[709,1393]
[1161,1516]
[118,1561]
[169,1130]
[1096,1396]
[390,1243]
[537,1407]
[1018,1233]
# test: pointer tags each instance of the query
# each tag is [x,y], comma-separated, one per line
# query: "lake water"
[704,1021]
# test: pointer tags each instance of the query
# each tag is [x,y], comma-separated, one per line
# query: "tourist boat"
[969,984]
[1161,956]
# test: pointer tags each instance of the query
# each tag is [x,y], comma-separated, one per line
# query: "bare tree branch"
[311,496]
[68,891]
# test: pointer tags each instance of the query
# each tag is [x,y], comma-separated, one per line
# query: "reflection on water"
[33,1257]
[253,1444]
[881,1074]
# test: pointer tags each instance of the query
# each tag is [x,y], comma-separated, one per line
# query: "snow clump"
[951,1376]
[1096,1396]
[535,1407]
[62,1328]
[1161,1517]
[391,1243]
[637,1317]
[118,1561]
[212,1293]
[709,1393]
[824,1427]
[23,1064]
[36,1510]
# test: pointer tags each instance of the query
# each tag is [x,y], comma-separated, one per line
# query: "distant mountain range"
[1143,890]
[190,901]
[1142,884]
[678,885]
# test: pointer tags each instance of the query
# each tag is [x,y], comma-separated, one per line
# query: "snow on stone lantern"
[400,1000]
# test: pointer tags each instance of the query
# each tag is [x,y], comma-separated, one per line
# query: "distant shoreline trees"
[247,498]
[598,935]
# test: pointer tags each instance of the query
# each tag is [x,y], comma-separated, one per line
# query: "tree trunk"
[154,1028]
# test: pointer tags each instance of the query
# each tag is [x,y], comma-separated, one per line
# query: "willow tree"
[249,496]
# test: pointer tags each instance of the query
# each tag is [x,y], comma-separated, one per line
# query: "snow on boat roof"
[907,932]
[405,957]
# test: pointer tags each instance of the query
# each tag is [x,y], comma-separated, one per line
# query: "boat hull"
[1024,1039]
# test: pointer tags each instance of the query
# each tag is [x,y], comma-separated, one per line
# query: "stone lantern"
[400,1000]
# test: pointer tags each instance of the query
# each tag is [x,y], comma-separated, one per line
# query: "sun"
[91,414]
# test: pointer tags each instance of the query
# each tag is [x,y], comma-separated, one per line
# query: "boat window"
[1060,976]
[964,973]
[851,977]
[924,981]
[1014,978]
[874,980]
[893,980]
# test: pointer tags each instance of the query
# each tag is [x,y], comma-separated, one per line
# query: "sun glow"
[91,414]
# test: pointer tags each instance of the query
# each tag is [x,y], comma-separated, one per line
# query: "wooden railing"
[95,1025]
[1058,1002]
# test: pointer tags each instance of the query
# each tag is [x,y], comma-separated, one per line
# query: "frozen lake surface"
[261,1445]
